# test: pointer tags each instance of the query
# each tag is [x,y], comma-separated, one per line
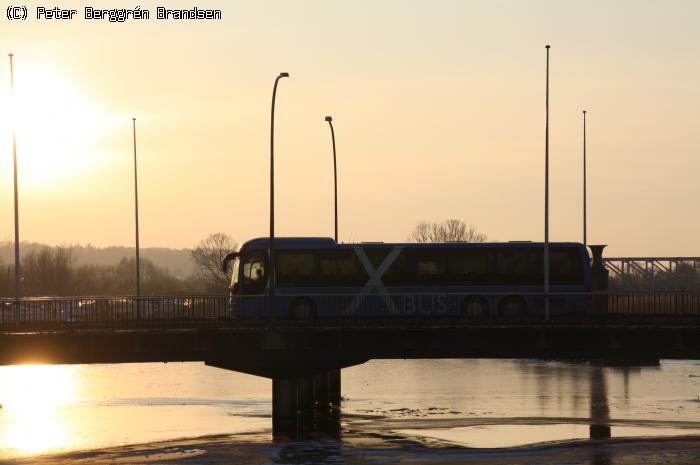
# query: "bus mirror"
[227,260]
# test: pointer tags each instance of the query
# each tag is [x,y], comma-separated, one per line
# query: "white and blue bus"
[317,277]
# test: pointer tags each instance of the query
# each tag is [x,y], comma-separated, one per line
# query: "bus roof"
[286,243]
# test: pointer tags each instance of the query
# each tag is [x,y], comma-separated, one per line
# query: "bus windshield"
[234,272]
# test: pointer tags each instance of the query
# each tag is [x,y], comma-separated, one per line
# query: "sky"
[438,109]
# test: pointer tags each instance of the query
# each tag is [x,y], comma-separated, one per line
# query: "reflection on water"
[490,436]
[477,403]
[55,408]
[600,411]
[31,397]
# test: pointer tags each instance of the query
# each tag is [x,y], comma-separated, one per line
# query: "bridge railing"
[492,306]
[654,303]
[127,311]
[38,313]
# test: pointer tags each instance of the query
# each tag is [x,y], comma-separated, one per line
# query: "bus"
[316,277]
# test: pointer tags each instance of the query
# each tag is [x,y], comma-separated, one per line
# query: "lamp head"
[328,118]
[284,75]
[546,46]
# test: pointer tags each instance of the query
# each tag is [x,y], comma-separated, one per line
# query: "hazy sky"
[438,109]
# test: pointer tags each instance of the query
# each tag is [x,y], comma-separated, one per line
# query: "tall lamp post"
[18,290]
[335,176]
[271,303]
[585,242]
[136,212]
[546,192]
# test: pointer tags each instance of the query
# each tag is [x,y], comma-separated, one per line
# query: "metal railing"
[655,273]
[211,311]
[117,311]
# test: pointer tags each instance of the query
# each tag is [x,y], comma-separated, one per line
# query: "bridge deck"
[200,328]
[275,350]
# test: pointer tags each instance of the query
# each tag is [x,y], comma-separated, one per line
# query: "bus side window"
[430,268]
[472,267]
[400,273]
[519,266]
[296,268]
[567,267]
[340,268]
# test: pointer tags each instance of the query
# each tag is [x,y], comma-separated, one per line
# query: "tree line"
[51,271]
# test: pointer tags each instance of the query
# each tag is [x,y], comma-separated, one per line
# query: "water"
[412,407]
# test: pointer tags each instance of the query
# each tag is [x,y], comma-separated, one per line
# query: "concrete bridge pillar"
[306,403]
[305,395]
[284,405]
[292,406]
[334,391]
[321,393]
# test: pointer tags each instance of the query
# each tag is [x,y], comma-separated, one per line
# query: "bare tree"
[209,254]
[47,271]
[450,230]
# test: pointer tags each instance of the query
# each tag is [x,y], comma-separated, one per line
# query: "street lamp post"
[335,176]
[546,192]
[18,290]
[136,213]
[271,303]
[585,241]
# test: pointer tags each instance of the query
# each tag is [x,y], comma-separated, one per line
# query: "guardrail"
[130,312]
[119,311]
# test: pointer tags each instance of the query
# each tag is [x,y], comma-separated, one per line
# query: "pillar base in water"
[305,404]
[334,391]
[599,432]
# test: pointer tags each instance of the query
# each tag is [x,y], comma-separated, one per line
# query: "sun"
[59,128]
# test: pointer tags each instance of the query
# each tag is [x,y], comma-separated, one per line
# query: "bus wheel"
[512,305]
[302,309]
[475,307]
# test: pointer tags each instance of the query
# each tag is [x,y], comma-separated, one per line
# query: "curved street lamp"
[585,239]
[329,119]
[272,197]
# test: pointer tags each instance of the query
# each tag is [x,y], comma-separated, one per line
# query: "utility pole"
[546,192]
[136,210]
[18,289]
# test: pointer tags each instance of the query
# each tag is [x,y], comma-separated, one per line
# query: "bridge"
[304,357]
[654,273]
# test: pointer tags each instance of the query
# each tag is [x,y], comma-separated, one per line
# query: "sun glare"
[58,126]
[30,396]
